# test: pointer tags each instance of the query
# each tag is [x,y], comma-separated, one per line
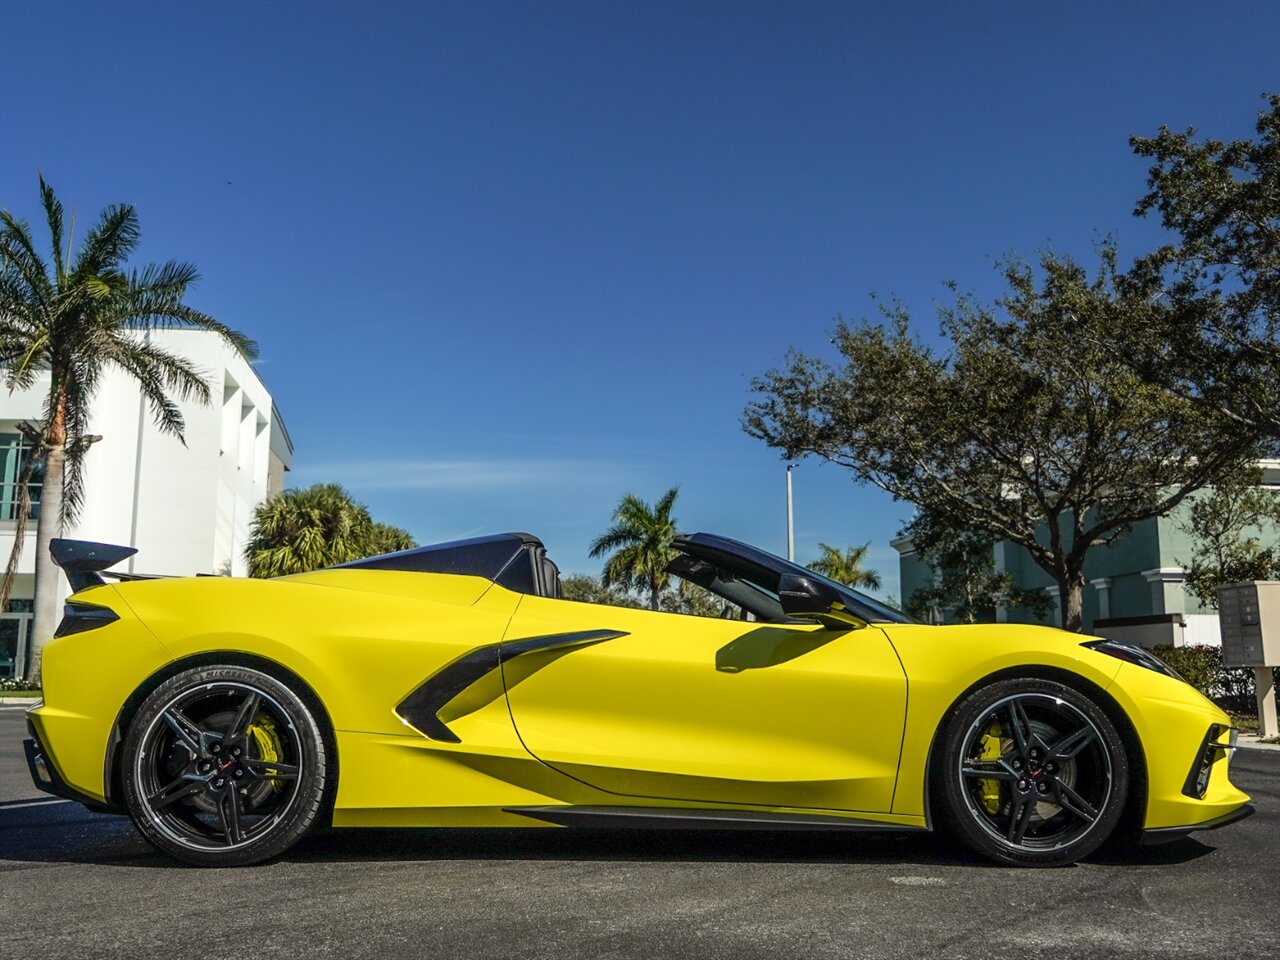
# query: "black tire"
[1030,772]
[224,766]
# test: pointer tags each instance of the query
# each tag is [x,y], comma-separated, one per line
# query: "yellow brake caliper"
[263,731]
[991,750]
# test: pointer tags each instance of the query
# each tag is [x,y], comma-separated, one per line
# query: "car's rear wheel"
[224,766]
[1031,772]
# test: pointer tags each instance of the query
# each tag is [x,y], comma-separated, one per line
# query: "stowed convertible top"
[517,561]
[734,571]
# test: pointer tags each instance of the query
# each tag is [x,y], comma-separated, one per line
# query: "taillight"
[78,617]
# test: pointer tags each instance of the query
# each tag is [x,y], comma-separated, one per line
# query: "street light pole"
[791,530]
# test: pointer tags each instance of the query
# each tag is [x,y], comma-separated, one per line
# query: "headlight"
[1131,654]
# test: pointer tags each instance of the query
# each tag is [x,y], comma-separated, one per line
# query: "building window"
[14,451]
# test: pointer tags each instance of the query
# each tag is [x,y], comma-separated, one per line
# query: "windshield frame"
[764,570]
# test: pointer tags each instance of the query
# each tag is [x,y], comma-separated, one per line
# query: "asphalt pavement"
[75,884]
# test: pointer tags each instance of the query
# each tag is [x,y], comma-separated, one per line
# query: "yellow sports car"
[451,685]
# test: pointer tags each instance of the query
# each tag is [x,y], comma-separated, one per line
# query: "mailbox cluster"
[1249,614]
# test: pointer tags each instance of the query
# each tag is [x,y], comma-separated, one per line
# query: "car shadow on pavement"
[54,831]
[51,830]
[924,849]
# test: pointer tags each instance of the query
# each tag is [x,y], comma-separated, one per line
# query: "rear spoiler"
[83,560]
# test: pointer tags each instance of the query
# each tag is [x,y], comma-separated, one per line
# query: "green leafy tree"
[584,588]
[1218,343]
[639,546]
[1236,532]
[846,566]
[965,579]
[70,316]
[693,601]
[1025,426]
[690,599]
[318,526]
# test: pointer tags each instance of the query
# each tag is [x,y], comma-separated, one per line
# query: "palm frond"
[619,535]
[174,371]
[25,358]
[110,242]
[80,382]
[846,566]
[152,381]
[53,213]
[641,543]
[18,253]
[161,309]
[662,509]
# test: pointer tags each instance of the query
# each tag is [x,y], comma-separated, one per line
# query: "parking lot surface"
[75,884]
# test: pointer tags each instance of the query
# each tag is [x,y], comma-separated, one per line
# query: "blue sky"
[507,262]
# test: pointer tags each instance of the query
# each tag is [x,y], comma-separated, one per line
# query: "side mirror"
[811,599]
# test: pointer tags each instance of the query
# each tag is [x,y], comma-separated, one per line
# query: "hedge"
[1201,666]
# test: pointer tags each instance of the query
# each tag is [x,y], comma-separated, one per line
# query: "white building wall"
[1202,629]
[110,466]
[186,508]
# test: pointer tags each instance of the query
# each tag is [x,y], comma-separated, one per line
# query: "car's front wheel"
[1031,772]
[224,766]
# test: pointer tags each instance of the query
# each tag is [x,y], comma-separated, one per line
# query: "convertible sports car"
[451,685]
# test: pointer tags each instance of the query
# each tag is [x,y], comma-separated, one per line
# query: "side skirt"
[676,818]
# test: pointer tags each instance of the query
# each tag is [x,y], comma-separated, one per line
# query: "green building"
[1134,588]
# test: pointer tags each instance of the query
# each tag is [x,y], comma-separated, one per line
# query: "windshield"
[738,571]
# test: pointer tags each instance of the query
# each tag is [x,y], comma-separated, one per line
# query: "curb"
[1250,742]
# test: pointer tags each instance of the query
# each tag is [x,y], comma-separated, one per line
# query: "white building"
[186,508]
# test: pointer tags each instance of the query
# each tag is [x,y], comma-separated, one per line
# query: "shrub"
[1201,666]
[14,683]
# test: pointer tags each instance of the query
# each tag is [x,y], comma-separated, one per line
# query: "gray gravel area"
[75,884]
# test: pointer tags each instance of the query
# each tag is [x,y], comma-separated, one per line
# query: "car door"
[662,705]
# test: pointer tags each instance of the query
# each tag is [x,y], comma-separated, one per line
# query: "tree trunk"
[49,526]
[655,596]
[1071,601]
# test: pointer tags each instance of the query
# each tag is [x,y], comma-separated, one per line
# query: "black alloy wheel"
[1032,772]
[224,766]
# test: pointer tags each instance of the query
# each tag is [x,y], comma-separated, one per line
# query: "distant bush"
[1201,666]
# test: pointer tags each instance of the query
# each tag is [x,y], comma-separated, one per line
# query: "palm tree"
[641,544]
[845,566]
[384,538]
[302,530]
[73,316]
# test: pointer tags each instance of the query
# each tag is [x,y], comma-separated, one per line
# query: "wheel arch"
[111,780]
[1131,820]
